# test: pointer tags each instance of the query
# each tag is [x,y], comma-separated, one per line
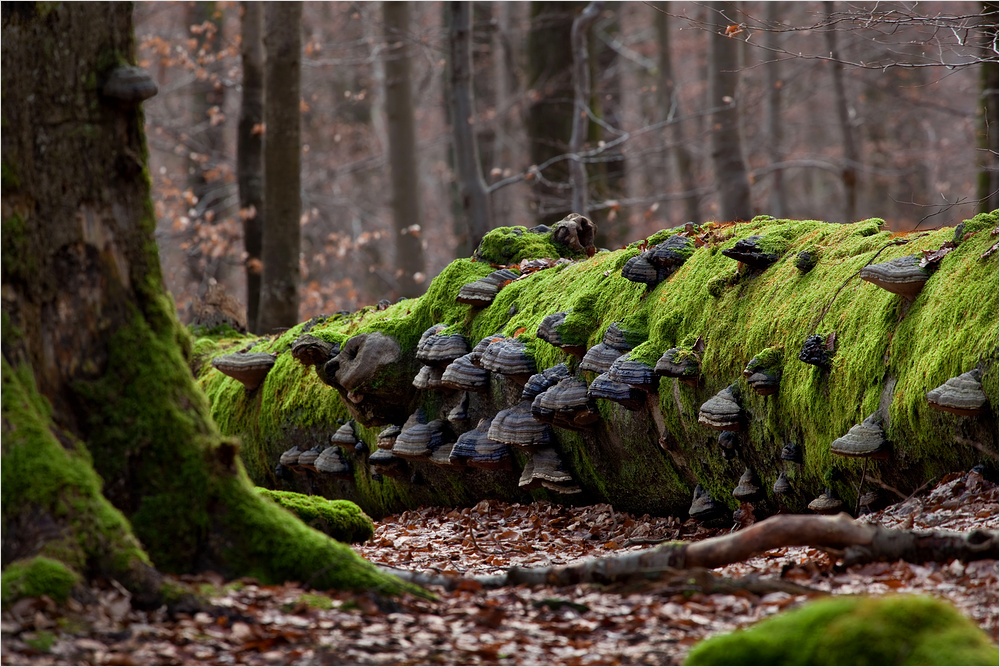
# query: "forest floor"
[652,623]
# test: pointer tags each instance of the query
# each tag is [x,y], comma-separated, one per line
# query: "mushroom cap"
[723,412]
[575,232]
[388,436]
[482,292]
[791,452]
[476,355]
[678,363]
[442,457]
[436,349]
[477,450]
[826,503]
[290,457]
[672,253]
[307,459]
[344,437]
[864,439]
[816,351]
[747,489]
[805,261]
[548,330]
[566,404]
[729,439]
[621,338]
[781,485]
[546,466]
[312,351]
[331,461]
[248,368]
[640,270]
[634,373]
[460,412]
[628,397]
[515,426]
[600,357]
[539,382]
[749,252]
[702,506]
[765,382]
[903,276]
[384,462]
[428,377]
[420,440]
[465,375]
[508,357]
[129,85]
[961,395]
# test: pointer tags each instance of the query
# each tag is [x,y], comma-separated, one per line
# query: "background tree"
[250,152]
[111,462]
[406,213]
[281,239]
[988,183]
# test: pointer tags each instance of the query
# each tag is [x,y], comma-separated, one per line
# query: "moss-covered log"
[111,463]
[878,355]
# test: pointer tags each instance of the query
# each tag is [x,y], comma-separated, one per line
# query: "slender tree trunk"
[406,213]
[772,113]
[849,172]
[731,179]
[472,187]
[581,104]
[250,153]
[281,238]
[988,182]
[670,105]
[110,458]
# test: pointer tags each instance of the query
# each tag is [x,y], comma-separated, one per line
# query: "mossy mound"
[37,576]
[510,245]
[888,353]
[340,519]
[893,630]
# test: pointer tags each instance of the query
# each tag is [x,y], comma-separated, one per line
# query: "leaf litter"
[655,622]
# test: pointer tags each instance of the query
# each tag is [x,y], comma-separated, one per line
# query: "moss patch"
[37,576]
[893,630]
[340,519]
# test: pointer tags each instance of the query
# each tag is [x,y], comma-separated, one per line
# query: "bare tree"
[250,152]
[403,150]
[731,180]
[281,238]
[581,103]
[772,112]
[472,187]
[849,172]
[988,183]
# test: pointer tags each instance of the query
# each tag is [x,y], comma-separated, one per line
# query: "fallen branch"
[850,540]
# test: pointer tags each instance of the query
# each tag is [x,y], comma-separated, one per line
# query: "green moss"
[9,178]
[340,519]
[983,221]
[37,576]
[510,245]
[313,601]
[892,630]
[767,359]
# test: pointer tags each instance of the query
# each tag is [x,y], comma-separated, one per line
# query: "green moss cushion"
[893,630]
[340,519]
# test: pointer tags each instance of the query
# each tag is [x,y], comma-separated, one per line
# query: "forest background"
[694,112]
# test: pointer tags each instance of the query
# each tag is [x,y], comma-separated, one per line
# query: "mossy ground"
[949,328]
[340,519]
[37,576]
[893,630]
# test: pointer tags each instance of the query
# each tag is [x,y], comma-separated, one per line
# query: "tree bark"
[988,182]
[849,171]
[281,237]
[581,103]
[772,111]
[111,461]
[250,153]
[406,213]
[731,179]
[670,106]
[472,187]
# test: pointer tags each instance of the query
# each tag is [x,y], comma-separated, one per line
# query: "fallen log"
[852,541]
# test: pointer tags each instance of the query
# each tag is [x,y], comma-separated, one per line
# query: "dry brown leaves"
[653,624]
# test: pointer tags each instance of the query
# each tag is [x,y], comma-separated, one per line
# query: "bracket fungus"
[442,457]
[309,350]
[722,412]
[748,488]
[509,357]
[428,377]
[540,382]
[332,461]
[681,364]
[344,437]
[763,373]
[599,358]
[129,85]
[515,426]
[459,413]
[576,233]
[703,507]
[791,452]
[781,485]
[672,253]
[480,293]
[290,457]
[567,405]
[248,368]
[384,462]
[477,450]
[961,395]
[464,375]
[750,252]
[546,469]
[548,330]
[634,373]
[307,459]
[805,261]
[436,349]
[863,440]
[640,270]
[420,440]
[625,395]
[826,503]
[903,276]
[818,350]
[387,437]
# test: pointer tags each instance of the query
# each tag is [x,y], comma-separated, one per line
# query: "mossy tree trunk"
[96,386]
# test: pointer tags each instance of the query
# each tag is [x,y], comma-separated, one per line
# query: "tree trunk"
[250,153]
[988,182]
[731,179]
[670,106]
[281,238]
[95,379]
[406,215]
[849,171]
[581,104]
[772,112]
[472,187]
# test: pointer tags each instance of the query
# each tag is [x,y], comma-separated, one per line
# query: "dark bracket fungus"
[548,330]
[863,440]
[634,373]
[309,350]
[576,233]
[962,395]
[805,261]
[384,462]
[344,438]
[372,375]
[681,364]
[628,397]
[420,440]
[639,269]
[748,488]
[477,450]
[442,457]
[435,349]
[459,413]
[782,486]
[307,459]
[429,377]
[703,507]
[903,276]
[539,382]
[290,457]
[332,461]
[128,85]
[723,412]
[826,503]
[672,253]
[750,252]
[250,369]
[728,442]
[600,357]
[818,350]
[515,426]
[476,355]
[763,373]
[791,452]
[566,405]
[387,437]
[480,293]
[546,469]
[462,374]
[621,338]
[509,357]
